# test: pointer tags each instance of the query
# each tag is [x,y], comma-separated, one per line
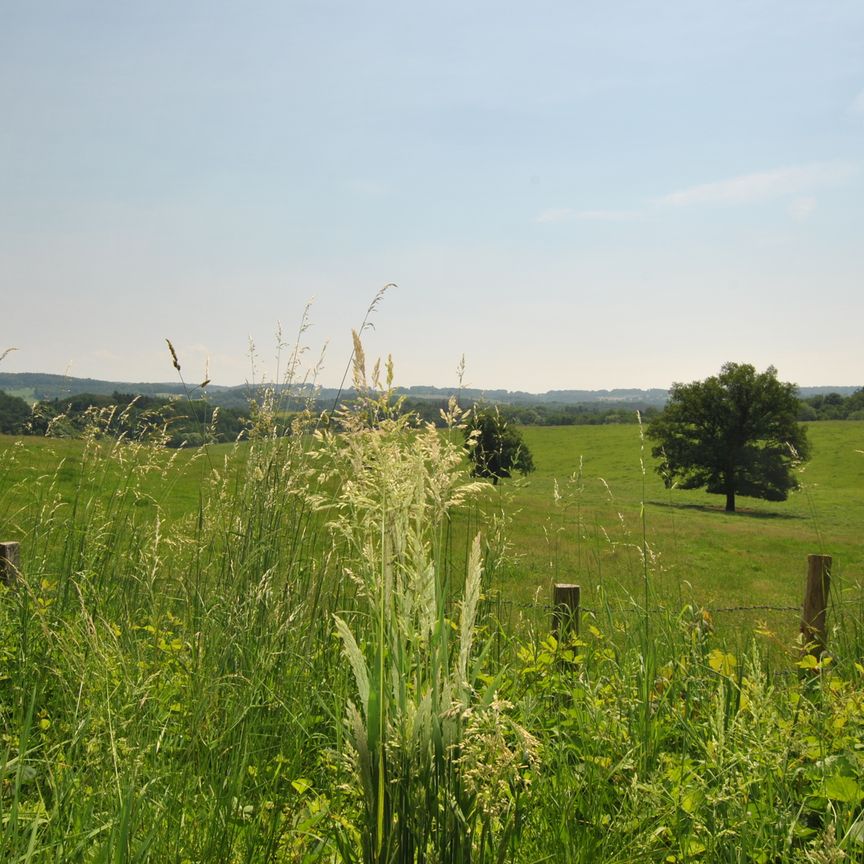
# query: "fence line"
[543,606]
[566,607]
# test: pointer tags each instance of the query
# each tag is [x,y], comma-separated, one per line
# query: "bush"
[14,414]
[496,448]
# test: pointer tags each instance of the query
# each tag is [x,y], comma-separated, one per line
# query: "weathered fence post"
[565,610]
[10,562]
[815,608]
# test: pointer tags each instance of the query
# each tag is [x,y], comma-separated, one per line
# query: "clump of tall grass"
[156,670]
[440,764]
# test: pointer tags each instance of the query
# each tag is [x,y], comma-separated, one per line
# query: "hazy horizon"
[402,385]
[570,196]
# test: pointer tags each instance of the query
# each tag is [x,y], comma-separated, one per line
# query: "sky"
[569,195]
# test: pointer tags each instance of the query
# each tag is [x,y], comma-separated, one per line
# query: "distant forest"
[190,421]
[174,422]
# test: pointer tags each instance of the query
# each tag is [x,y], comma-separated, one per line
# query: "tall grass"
[307,667]
[156,678]
[428,735]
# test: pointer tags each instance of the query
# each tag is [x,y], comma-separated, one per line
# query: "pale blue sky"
[572,195]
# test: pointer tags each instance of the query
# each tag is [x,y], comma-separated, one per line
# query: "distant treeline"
[177,422]
[833,406]
[589,414]
[190,422]
[824,406]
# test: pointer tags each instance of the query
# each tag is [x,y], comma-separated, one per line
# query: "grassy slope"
[697,551]
[27,466]
[186,702]
[592,534]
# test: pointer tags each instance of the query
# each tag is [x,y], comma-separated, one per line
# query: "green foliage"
[582,414]
[553,414]
[735,433]
[155,673]
[295,665]
[177,422]
[496,448]
[14,414]
[833,406]
[708,759]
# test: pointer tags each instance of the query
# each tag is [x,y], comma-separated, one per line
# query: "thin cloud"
[857,106]
[801,208]
[370,188]
[567,214]
[763,185]
[555,214]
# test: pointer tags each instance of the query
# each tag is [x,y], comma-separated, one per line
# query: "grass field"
[593,532]
[280,653]
[578,518]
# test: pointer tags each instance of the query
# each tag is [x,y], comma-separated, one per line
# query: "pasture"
[280,652]
[592,529]
[579,517]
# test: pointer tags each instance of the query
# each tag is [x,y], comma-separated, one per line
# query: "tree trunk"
[729,485]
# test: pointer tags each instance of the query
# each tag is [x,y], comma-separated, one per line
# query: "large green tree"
[735,433]
[496,448]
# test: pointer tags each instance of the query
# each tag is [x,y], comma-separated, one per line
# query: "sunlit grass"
[754,557]
[175,686]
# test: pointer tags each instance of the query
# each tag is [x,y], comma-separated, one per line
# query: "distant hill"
[35,386]
[550,397]
[807,392]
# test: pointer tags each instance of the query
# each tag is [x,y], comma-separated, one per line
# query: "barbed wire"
[546,606]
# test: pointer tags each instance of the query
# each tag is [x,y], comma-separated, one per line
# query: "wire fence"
[809,621]
[548,607]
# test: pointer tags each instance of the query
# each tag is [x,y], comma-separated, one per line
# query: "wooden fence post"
[565,610]
[816,603]
[10,562]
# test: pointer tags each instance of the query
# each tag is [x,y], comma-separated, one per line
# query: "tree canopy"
[14,414]
[181,422]
[735,433]
[833,406]
[496,448]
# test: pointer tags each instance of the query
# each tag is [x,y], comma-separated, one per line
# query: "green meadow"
[33,467]
[594,505]
[335,648]
[580,518]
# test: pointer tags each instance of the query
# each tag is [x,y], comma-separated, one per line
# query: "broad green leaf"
[839,787]
[722,662]
[691,801]
[693,847]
